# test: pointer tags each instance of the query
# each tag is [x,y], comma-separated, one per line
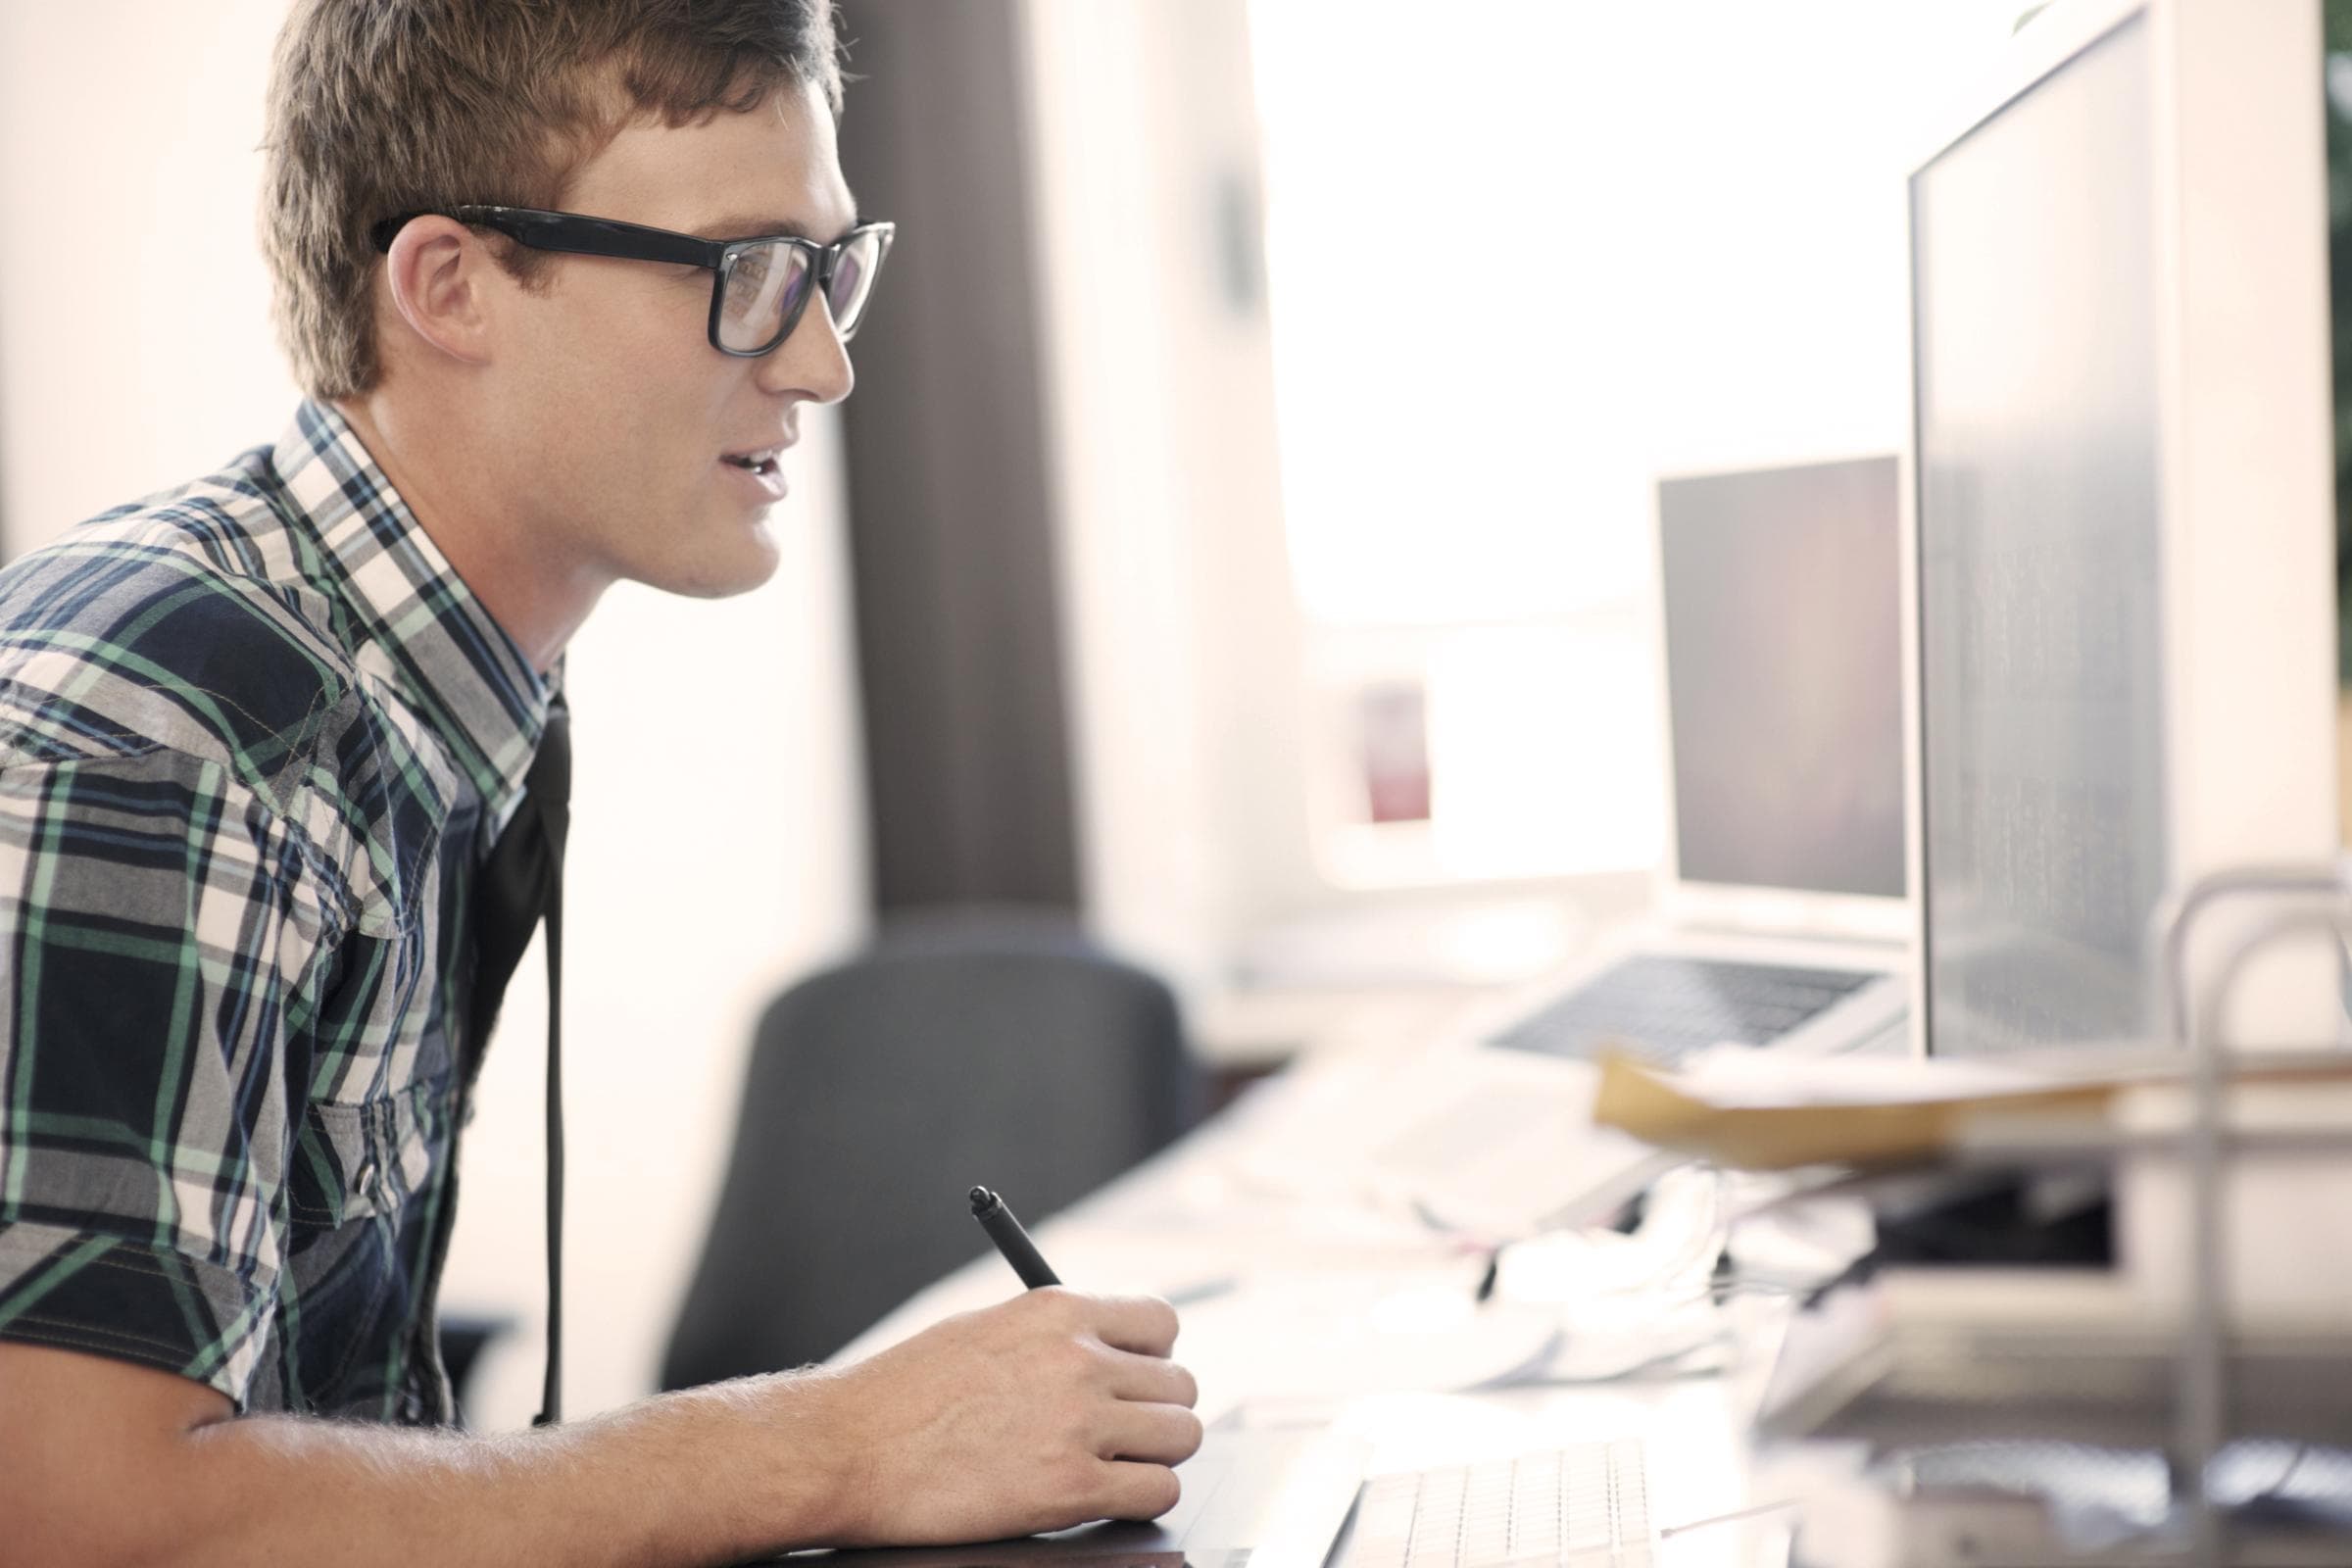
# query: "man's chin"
[720,574]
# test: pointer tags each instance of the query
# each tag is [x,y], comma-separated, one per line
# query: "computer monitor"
[2122,549]
[1781,592]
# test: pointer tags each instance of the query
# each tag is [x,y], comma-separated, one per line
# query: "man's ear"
[438,273]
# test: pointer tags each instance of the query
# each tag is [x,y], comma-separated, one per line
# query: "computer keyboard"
[1582,1506]
[1662,1007]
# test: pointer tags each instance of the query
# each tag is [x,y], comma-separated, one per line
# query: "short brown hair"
[382,107]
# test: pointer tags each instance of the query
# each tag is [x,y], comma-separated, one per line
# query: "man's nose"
[811,360]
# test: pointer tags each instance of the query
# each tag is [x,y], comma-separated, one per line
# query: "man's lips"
[763,469]
[757,459]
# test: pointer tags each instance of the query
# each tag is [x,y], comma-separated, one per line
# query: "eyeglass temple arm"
[570,231]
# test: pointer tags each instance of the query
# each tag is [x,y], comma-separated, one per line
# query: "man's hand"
[1049,1411]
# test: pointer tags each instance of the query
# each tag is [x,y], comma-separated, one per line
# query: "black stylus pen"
[1012,1241]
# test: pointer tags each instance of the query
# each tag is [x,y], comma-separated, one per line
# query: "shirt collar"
[417,624]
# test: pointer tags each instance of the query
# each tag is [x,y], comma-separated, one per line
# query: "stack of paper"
[1755,1112]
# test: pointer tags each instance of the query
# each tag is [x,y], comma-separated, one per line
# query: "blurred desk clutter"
[2107,1319]
[1443,1350]
[1859,1312]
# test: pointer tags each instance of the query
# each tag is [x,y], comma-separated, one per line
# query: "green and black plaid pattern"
[255,737]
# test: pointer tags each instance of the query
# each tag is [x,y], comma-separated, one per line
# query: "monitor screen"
[1783,654]
[2042,722]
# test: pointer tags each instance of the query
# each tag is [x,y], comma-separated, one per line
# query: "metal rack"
[2195,1025]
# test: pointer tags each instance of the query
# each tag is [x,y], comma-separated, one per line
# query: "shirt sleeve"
[158,924]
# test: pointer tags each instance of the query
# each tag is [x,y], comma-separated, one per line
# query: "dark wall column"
[952,539]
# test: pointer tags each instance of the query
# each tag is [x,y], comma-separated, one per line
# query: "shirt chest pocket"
[358,1161]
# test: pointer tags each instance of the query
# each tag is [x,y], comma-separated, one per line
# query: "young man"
[255,737]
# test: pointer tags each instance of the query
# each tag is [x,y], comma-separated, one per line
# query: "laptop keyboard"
[1662,1008]
[1582,1507]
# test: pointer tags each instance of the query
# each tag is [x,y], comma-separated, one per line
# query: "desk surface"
[1314,1307]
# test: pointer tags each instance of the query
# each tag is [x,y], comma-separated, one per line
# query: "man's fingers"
[1161,1433]
[1142,1324]
[1153,1379]
[1132,1490]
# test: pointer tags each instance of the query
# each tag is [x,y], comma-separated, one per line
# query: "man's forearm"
[1044,1411]
[705,1475]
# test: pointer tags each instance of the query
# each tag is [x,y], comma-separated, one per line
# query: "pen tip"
[981,1198]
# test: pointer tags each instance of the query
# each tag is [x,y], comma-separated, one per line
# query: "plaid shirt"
[255,737]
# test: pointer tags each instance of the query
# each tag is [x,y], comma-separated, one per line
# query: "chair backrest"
[882,1091]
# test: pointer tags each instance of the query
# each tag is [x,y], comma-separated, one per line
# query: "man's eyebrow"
[747,227]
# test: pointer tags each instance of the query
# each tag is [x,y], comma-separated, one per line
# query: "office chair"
[1007,1052]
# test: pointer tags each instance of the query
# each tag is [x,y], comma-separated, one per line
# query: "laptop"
[1301,1500]
[1780,921]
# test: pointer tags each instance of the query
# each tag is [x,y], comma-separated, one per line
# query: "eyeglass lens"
[768,285]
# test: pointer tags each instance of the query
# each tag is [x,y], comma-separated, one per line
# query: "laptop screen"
[1783,648]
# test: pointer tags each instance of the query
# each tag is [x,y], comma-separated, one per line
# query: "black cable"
[550,1395]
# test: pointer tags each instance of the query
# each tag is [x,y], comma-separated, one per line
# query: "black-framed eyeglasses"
[760,285]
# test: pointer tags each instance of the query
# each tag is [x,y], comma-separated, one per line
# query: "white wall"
[134,312]
[1176,591]
[135,352]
